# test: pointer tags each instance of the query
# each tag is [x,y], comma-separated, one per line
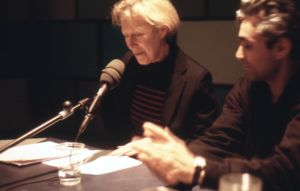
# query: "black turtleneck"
[151,85]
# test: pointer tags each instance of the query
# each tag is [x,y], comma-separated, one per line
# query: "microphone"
[110,78]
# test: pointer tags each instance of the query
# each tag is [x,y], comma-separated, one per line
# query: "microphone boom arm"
[65,113]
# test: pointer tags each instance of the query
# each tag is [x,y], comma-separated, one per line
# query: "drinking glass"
[240,182]
[69,170]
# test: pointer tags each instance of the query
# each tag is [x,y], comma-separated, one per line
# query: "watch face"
[199,161]
[199,164]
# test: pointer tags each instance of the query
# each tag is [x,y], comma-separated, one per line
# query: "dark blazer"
[189,107]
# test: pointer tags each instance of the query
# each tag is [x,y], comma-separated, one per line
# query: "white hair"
[158,13]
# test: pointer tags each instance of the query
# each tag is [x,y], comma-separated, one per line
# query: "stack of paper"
[97,161]
[108,164]
[32,153]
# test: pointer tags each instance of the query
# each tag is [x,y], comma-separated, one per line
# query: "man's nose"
[130,42]
[239,54]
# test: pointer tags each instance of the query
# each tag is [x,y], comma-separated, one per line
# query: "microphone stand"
[90,111]
[67,111]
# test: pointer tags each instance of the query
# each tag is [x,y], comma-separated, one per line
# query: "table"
[43,177]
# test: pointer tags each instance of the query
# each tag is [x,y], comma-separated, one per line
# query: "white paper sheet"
[46,152]
[34,153]
[29,152]
[84,155]
[107,164]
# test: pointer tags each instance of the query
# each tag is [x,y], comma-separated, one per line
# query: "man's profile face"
[259,61]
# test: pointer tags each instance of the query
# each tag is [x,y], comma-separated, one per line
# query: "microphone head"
[112,73]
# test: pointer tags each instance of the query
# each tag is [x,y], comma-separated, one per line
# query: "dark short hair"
[278,18]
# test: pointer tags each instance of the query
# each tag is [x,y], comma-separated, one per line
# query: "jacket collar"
[176,89]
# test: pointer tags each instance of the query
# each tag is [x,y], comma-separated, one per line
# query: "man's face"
[142,39]
[259,61]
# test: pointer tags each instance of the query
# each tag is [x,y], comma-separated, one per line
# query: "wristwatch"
[199,172]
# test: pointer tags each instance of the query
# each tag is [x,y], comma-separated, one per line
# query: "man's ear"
[163,32]
[282,48]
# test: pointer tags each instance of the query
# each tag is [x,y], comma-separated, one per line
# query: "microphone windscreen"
[112,73]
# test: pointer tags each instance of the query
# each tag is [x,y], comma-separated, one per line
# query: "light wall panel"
[213,44]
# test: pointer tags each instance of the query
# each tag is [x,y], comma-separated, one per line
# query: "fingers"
[127,148]
[135,138]
[148,148]
[123,150]
[156,132]
[152,130]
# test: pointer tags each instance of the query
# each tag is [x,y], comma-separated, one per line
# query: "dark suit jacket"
[189,107]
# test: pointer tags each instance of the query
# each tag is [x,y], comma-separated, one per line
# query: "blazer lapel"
[175,91]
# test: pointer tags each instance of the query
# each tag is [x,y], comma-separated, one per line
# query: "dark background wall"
[53,50]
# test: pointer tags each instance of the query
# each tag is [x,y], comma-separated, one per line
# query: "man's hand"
[165,154]
[127,150]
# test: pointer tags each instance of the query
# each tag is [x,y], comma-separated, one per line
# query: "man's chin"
[254,78]
[142,62]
